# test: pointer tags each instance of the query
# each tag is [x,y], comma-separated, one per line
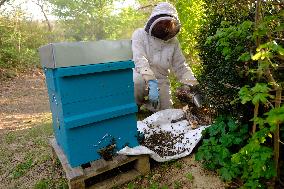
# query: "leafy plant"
[241,52]
[220,141]
[256,163]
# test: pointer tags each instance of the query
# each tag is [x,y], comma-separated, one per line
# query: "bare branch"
[2,2]
[147,6]
[41,6]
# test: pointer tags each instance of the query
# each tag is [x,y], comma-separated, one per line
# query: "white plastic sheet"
[162,122]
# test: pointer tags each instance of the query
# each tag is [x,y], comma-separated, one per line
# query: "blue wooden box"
[92,106]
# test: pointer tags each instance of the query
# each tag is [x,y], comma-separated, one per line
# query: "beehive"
[91,94]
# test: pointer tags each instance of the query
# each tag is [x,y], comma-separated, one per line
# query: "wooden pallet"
[102,174]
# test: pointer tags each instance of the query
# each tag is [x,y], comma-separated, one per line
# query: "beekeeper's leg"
[139,88]
[165,94]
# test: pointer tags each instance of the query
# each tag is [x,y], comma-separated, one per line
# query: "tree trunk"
[257,19]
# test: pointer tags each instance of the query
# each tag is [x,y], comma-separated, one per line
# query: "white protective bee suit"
[155,58]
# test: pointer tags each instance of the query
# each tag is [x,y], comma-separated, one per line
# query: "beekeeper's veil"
[163,22]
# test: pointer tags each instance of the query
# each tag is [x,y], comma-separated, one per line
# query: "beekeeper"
[156,53]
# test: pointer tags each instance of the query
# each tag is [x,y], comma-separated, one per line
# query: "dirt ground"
[25,155]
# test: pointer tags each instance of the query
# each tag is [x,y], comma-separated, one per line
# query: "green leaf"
[259,121]
[260,88]
[245,57]
[245,94]
[260,97]
[257,56]
[275,116]
[226,51]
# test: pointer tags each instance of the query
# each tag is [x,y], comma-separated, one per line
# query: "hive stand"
[101,174]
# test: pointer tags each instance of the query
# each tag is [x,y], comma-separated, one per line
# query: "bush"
[20,39]
[220,45]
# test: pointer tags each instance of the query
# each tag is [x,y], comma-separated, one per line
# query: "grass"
[189,176]
[131,185]
[48,183]
[26,159]
[177,185]
[22,168]
[178,164]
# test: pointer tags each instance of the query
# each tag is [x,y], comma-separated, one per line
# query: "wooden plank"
[78,176]
[143,165]
[77,184]
[101,166]
[117,180]
[71,173]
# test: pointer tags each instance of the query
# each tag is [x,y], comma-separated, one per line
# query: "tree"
[84,20]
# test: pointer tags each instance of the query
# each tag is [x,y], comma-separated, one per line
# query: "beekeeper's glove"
[153,92]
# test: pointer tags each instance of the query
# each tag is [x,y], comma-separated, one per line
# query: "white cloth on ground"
[162,122]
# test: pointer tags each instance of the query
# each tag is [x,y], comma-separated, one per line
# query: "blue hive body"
[92,106]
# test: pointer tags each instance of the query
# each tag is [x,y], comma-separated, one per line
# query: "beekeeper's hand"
[153,92]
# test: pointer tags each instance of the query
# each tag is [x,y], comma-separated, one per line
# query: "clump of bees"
[108,152]
[163,143]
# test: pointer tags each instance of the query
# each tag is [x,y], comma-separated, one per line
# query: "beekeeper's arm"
[139,57]
[142,66]
[181,69]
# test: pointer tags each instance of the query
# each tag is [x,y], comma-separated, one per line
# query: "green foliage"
[258,94]
[225,149]
[275,116]
[19,40]
[191,15]
[96,20]
[255,161]
[231,44]
[20,37]
[223,71]
[222,139]
[84,20]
